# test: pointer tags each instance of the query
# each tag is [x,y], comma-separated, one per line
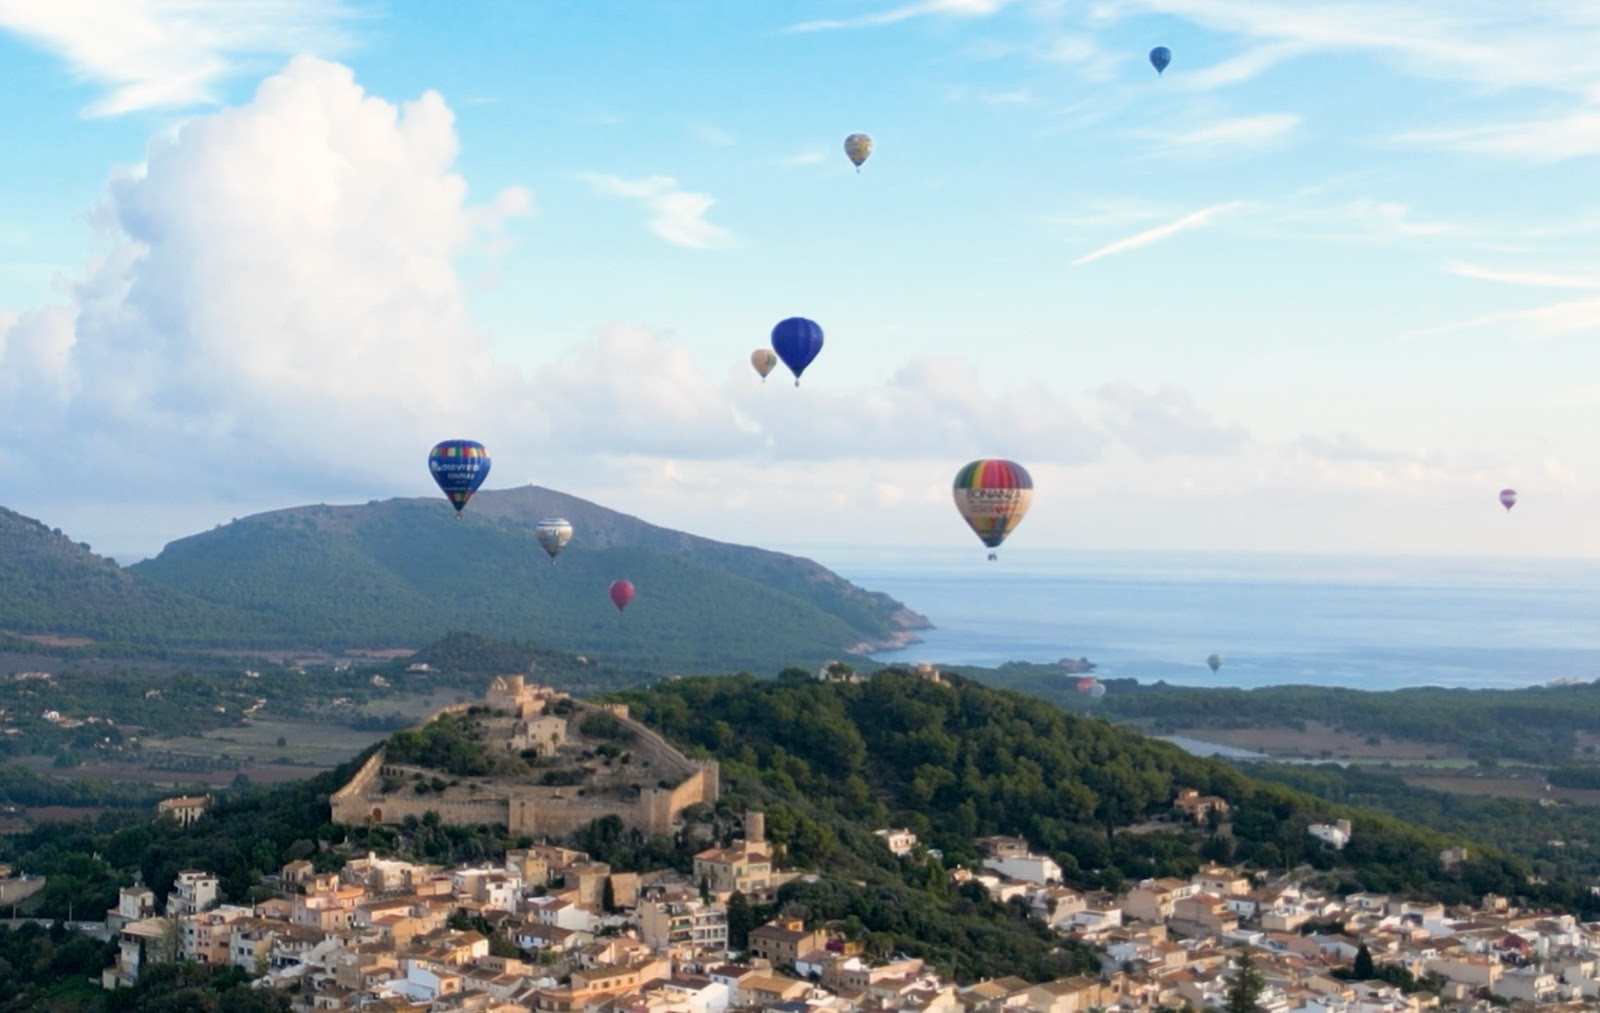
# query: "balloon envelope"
[993,496]
[553,534]
[797,341]
[1508,498]
[459,467]
[858,147]
[621,593]
[1215,661]
[1160,57]
[763,360]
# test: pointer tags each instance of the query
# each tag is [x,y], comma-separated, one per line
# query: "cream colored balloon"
[553,534]
[763,359]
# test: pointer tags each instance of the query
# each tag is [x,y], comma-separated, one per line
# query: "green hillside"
[959,761]
[51,584]
[404,572]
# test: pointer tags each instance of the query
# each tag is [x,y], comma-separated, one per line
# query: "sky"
[1326,285]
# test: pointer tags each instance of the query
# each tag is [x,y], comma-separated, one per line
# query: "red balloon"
[621,593]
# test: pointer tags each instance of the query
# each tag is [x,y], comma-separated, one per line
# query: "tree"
[1244,987]
[740,921]
[1365,971]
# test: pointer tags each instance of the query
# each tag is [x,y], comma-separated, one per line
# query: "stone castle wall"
[523,811]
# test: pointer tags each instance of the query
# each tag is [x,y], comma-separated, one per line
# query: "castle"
[647,788]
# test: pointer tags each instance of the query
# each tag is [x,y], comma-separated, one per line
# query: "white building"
[1336,835]
[899,841]
[1029,868]
[192,892]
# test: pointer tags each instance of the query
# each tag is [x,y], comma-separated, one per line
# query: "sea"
[1359,622]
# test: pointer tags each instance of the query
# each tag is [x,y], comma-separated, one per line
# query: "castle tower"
[755,827]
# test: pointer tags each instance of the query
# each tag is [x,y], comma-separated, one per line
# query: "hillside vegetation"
[402,573]
[51,584]
[959,761]
[407,571]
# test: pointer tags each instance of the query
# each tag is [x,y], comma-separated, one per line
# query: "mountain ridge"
[403,572]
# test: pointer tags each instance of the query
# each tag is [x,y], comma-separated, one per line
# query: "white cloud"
[895,15]
[1553,139]
[714,136]
[1550,44]
[155,54]
[1241,68]
[1572,316]
[1194,220]
[279,290]
[1528,279]
[1084,54]
[1164,423]
[676,215]
[814,156]
[1012,97]
[1236,133]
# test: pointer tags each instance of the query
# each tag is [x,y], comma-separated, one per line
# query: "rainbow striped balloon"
[459,467]
[993,495]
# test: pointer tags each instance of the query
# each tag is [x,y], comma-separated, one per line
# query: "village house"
[184,810]
[900,842]
[1197,808]
[192,892]
[743,867]
[1152,900]
[784,941]
[1335,835]
[685,922]
[1026,867]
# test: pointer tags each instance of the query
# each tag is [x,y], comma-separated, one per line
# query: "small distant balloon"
[797,341]
[858,148]
[553,534]
[993,496]
[1160,57]
[1214,662]
[459,467]
[621,593]
[1508,498]
[763,360]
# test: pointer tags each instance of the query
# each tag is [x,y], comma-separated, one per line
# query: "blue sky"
[1325,285]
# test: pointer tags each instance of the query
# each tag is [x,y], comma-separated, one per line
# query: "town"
[548,929]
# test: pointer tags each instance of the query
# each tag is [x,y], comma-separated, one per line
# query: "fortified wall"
[537,810]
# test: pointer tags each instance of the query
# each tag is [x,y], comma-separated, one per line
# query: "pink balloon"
[621,593]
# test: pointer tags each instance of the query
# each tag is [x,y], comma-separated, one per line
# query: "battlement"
[649,794]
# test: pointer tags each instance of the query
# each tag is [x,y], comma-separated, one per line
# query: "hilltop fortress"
[593,761]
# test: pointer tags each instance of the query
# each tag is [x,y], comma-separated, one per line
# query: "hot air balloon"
[993,495]
[459,466]
[1086,683]
[1215,661]
[553,534]
[621,593]
[1160,57]
[1098,690]
[797,341]
[858,147]
[1508,498]
[763,359]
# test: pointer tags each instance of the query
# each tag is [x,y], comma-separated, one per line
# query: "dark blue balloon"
[459,467]
[797,341]
[1160,57]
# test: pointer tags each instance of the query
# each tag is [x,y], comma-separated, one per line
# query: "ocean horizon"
[1360,622]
